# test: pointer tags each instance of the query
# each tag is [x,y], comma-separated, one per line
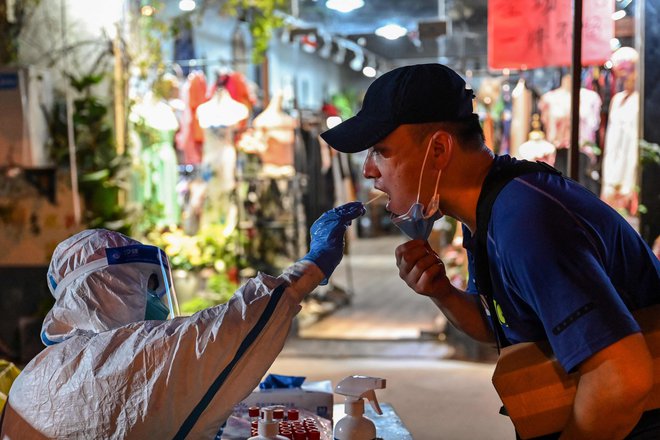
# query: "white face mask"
[417,223]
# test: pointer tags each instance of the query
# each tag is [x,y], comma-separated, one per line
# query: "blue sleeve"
[553,261]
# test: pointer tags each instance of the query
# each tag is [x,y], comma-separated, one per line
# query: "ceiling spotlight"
[369,71]
[187,5]
[326,48]
[309,43]
[333,121]
[147,10]
[285,37]
[391,31]
[357,62]
[340,56]
[344,5]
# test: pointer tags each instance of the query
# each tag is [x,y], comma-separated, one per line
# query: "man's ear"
[442,146]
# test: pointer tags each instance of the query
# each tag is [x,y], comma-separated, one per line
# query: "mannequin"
[156,165]
[537,147]
[219,118]
[621,149]
[555,107]
[221,110]
[277,130]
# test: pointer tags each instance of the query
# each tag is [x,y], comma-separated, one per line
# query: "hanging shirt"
[190,137]
[160,175]
[621,150]
[555,107]
[521,108]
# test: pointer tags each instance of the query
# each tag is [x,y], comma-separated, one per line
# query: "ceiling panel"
[458,37]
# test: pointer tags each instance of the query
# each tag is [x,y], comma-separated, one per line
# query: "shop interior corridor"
[435,386]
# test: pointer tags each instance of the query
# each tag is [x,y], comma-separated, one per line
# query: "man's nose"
[369,169]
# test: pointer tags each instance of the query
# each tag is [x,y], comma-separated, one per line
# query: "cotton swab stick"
[374,199]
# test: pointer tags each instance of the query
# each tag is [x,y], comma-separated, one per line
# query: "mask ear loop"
[421,173]
[172,303]
[437,180]
[419,184]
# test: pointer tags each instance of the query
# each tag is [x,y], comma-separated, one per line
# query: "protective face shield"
[417,223]
[143,266]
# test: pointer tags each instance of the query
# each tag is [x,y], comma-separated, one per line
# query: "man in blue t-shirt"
[564,266]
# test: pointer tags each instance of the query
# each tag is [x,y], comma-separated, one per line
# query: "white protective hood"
[89,299]
[116,376]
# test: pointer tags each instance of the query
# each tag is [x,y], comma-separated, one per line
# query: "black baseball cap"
[406,95]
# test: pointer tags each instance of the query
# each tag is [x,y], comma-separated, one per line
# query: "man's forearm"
[302,277]
[612,391]
[463,310]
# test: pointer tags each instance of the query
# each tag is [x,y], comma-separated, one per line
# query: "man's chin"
[390,211]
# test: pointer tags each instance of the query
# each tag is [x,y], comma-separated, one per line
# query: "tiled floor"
[382,306]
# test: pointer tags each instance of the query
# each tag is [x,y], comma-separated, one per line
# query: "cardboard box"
[315,397]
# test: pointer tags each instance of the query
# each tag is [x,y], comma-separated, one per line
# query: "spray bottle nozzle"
[361,387]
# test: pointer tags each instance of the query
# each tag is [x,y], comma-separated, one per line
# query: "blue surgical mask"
[417,223]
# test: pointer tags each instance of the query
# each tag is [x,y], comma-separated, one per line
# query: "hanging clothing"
[155,167]
[219,117]
[278,130]
[521,108]
[621,151]
[190,138]
[555,107]
[237,86]
[160,175]
[219,173]
[320,193]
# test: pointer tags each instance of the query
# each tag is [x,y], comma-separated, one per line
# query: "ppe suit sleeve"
[218,356]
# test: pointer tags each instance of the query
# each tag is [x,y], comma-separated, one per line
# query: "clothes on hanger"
[221,110]
[521,109]
[277,129]
[488,97]
[219,118]
[190,138]
[155,167]
[237,86]
[555,107]
[620,157]
[320,194]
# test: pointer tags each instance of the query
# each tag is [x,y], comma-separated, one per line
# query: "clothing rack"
[205,62]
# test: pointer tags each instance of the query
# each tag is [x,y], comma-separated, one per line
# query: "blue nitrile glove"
[327,233]
[280,381]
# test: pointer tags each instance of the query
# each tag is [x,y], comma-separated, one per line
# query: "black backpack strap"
[495,181]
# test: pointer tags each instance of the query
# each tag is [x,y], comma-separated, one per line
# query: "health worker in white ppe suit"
[116,368]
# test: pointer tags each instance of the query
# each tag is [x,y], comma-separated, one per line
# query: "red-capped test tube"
[253,413]
[292,414]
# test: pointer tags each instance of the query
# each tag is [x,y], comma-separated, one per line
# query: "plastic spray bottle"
[354,426]
[268,428]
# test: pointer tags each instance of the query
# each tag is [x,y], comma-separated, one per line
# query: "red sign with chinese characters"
[524,34]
